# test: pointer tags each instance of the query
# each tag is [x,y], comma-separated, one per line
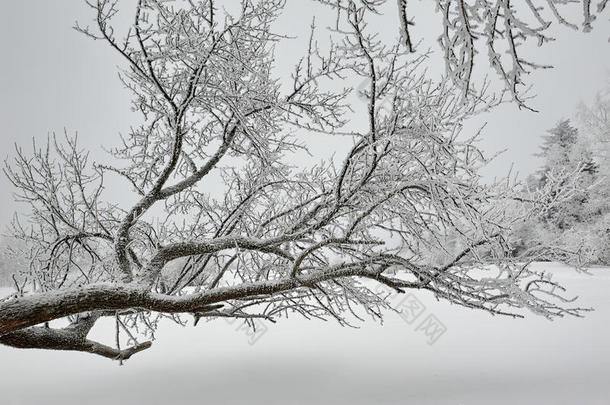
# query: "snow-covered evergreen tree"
[564,151]
[580,224]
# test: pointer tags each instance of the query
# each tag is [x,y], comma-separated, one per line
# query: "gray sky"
[53,78]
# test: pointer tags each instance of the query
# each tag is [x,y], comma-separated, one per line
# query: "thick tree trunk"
[30,310]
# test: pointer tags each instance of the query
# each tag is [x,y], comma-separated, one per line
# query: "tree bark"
[30,310]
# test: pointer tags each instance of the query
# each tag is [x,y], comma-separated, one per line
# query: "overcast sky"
[53,78]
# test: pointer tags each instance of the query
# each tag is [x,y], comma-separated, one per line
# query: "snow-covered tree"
[563,150]
[578,227]
[594,124]
[402,206]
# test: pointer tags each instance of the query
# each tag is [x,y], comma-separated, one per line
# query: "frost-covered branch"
[228,220]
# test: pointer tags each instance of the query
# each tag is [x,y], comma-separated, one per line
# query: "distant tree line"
[579,227]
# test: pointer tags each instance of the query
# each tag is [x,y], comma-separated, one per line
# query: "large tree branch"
[30,310]
[38,337]
[184,249]
[72,337]
[204,170]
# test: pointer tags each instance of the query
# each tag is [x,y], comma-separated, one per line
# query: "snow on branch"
[227,223]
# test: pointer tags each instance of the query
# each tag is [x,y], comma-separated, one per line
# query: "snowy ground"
[478,360]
